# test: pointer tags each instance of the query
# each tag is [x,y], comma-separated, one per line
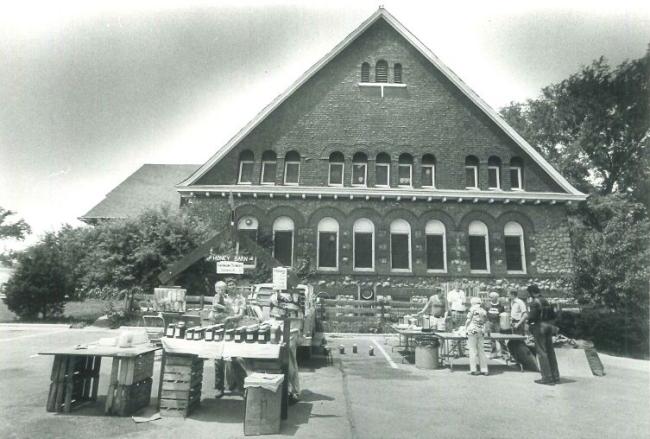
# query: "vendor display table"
[75,377]
[449,343]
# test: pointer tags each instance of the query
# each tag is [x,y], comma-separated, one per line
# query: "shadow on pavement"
[298,414]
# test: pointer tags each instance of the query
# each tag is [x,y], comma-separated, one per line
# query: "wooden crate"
[127,399]
[180,385]
[262,415]
[75,380]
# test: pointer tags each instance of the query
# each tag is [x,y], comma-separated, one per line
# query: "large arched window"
[381,71]
[397,73]
[516,174]
[479,247]
[515,249]
[247,226]
[245,167]
[364,245]
[436,243]
[400,245]
[365,72]
[336,169]
[405,170]
[328,244]
[269,165]
[428,171]
[283,240]
[359,169]
[471,172]
[382,170]
[292,168]
[494,172]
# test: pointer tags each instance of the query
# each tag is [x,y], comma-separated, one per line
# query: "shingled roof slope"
[150,186]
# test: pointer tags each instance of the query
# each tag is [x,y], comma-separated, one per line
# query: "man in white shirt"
[456,305]
[518,313]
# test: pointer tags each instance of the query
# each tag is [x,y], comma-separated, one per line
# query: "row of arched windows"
[363,244]
[359,174]
[381,72]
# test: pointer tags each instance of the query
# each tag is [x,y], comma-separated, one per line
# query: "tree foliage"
[16,230]
[594,127]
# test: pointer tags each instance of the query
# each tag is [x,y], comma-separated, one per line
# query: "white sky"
[90,91]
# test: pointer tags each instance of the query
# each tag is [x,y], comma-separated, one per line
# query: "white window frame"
[329,174]
[486,238]
[433,228]
[475,169]
[265,162]
[328,229]
[498,171]
[519,175]
[365,174]
[293,234]
[355,228]
[410,166]
[396,224]
[241,166]
[387,166]
[286,164]
[519,233]
[241,225]
[433,176]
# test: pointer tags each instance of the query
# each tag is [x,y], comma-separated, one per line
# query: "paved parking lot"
[355,397]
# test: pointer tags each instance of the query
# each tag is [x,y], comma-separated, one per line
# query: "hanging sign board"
[229,267]
[244,259]
[280,278]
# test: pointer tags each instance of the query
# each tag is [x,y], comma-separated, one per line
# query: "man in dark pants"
[540,317]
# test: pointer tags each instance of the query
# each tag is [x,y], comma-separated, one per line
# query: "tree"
[594,127]
[39,284]
[15,230]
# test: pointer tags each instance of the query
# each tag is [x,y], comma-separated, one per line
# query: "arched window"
[328,244]
[405,170]
[292,168]
[381,71]
[515,250]
[397,73]
[436,243]
[400,245]
[494,172]
[382,170]
[269,164]
[479,247]
[245,167]
[247,226]
[428,171]
[471,172]
[359,169]
[365,72]
[283,240]
[337,165]
[516,174]
[364,245]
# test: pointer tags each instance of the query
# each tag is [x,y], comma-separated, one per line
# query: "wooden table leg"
[69,375]
[54,385]
[160,381]
[96,366]
[113,383]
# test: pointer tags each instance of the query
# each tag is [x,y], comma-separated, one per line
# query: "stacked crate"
[180,391]
[131,382]
[74,382]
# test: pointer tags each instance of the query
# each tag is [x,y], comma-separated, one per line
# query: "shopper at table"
[518,313]
[494,310]
[475,325]
[456,304]
[541,319]
[434,306]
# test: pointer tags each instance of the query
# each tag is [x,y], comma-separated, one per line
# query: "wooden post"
[160,381]
[284,361]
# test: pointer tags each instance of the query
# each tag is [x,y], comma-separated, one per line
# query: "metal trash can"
[426,352]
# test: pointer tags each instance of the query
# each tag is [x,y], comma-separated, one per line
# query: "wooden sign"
[280,278]
[230,267]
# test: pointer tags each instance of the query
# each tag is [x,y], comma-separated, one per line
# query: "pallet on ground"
[75,380]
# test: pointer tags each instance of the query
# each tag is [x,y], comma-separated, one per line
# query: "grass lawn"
[87,311]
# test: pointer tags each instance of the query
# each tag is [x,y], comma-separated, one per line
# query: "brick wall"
[331,112]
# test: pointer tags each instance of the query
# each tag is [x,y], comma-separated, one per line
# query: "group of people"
[479,321]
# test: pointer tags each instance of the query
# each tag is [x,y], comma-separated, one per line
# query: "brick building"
[380,164]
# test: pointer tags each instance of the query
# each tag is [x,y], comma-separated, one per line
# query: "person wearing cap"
[494,310]
[474,327]
[540,318]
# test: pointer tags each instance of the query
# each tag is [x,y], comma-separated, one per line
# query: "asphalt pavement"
[357,396]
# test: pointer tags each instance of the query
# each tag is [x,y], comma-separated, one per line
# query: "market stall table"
[75,377]
[449,342]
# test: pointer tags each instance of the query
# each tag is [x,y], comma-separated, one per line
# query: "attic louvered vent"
[381,71]
[397,74]
[365,72]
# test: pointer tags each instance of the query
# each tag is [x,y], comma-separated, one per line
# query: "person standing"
[434,306]
[540,317]
[456,304]
[475,326]
[518,313]
[494,310]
